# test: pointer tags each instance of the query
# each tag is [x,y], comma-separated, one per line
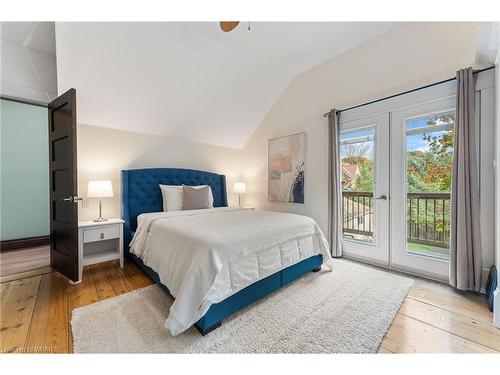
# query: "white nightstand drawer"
[101,234]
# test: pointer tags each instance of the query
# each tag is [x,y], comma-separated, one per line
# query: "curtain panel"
[465,243]
[334,185]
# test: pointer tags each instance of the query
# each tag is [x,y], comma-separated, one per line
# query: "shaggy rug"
[347,310]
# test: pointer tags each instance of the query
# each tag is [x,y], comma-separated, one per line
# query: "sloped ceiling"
[190,80]
[28,61]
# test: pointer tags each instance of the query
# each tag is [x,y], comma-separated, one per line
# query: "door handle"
[71,199]
[382,198]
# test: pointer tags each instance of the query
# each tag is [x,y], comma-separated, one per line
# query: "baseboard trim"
[21,243]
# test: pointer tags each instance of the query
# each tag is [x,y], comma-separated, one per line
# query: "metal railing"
[428,217]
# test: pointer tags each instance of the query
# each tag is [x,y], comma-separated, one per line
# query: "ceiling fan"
[228,26]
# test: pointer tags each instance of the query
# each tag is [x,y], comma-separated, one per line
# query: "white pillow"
[173,197]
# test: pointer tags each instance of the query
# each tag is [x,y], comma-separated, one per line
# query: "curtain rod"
[406,92]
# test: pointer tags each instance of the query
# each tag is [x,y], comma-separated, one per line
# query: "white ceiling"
[190,80]
[35,35]
[28,61]
[489,42]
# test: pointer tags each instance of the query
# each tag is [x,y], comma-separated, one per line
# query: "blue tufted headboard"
[141,193]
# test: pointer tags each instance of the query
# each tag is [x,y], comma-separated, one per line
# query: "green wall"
[24,177]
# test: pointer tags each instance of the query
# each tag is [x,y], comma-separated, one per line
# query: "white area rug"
[344,311]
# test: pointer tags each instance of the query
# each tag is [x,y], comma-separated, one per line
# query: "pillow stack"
[177,198]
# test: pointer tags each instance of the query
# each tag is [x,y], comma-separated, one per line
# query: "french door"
[364,153]
[421,163]
[396,177]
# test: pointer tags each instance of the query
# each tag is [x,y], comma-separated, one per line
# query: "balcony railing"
[358,213]
[427,220]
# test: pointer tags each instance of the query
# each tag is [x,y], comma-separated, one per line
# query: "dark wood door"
[63,185]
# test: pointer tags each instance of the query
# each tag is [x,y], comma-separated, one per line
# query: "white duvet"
[204,256]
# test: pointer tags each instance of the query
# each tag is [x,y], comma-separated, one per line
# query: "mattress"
[205,256]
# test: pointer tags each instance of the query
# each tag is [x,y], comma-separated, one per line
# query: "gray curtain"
[465,243]
[334,188]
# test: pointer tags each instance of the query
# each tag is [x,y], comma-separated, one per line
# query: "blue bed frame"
[141,194]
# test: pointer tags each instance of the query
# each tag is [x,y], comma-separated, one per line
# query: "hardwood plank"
[101,277]
[110,282]
[99,282]
[133,277]
[49,328]
[467,305]
[3,290]
[82,294]
[25,275]
[408,335]
[16,310]
[117,280]
[14,324]
[20,290]
[476,330]
[382,350]
[25,260]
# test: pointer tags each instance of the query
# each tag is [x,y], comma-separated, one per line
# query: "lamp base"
[100,218]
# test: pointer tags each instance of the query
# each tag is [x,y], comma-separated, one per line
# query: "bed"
[215,261]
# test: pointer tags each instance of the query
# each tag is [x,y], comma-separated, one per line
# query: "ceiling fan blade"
[227,26]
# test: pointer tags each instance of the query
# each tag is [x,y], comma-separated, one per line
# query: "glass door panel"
[421,163]
[364,154]
[358,182]
[429,159]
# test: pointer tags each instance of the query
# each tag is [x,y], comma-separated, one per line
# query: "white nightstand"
[99,242]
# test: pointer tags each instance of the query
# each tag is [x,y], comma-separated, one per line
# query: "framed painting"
[286,162]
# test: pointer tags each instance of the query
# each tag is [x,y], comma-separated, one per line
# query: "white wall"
[103,153]
[406,57]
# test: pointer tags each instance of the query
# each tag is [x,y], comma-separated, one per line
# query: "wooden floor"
[24,260]
[35,314]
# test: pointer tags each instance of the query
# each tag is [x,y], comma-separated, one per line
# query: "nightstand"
[99,242]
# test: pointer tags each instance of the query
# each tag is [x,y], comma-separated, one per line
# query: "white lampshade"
[239,188]
[100,189]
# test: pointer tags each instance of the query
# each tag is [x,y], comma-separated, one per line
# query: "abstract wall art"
[286,160]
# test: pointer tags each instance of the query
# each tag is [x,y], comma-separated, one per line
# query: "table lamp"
[100,189]
[239,188]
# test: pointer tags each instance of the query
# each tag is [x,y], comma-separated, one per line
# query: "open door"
[63,185]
